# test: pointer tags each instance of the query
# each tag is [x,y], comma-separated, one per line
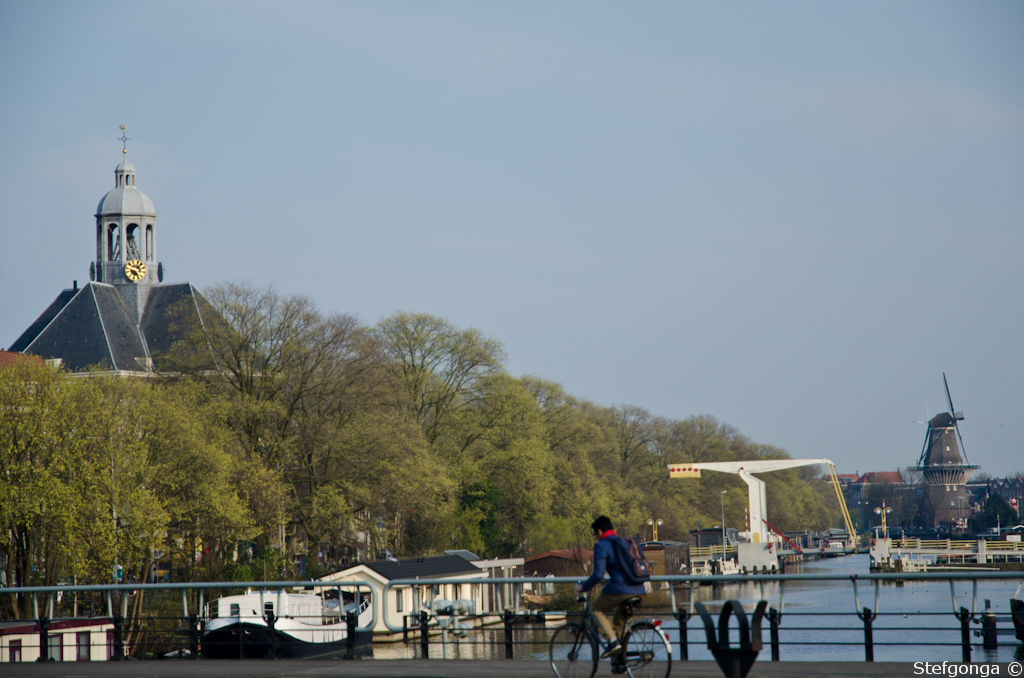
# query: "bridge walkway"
[415,668]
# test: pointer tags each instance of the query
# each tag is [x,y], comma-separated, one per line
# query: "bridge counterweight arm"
[756,496]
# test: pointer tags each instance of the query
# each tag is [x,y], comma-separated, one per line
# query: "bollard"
[734,662]
[774,617]
[44,639]
[965,632]
[424,636]
[508,618]
[684,647]
[193,635]
[989,634]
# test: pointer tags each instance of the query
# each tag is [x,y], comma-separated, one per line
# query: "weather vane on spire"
[124,140]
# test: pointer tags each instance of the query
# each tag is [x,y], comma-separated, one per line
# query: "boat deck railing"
[707,552]
[955,544]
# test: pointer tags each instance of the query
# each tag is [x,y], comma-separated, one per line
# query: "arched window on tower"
[113,242]
[149,242]
[132,235]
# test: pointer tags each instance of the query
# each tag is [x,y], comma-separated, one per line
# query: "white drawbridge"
[757,503]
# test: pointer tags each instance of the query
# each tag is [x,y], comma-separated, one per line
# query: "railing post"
[424,636]
[508,618]
[684,646]
[118,638]
[869,639]
[193,635]
[965,633]
[271,621]
[774,617]
[44,639]
[351,622]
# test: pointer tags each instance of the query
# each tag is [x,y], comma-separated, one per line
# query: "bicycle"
[574,647]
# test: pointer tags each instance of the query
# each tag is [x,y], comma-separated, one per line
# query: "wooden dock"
[927,555]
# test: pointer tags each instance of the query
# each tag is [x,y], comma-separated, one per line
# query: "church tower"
[123,319]
[126,240]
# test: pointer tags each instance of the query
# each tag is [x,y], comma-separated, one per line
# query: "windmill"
[944,469]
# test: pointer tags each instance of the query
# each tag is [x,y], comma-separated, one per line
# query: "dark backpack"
[635,568]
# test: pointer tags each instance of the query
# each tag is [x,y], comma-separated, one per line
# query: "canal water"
[819,623]
[915,619]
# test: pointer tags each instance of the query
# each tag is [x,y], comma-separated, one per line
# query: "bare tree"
[440,365]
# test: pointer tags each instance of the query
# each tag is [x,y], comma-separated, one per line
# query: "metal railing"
[417,628]
[176,631]
[159,634]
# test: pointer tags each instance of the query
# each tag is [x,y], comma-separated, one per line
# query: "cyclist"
[614,592]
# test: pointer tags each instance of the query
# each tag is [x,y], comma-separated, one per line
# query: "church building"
[120,320]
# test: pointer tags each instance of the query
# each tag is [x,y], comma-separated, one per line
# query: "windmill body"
[945,473]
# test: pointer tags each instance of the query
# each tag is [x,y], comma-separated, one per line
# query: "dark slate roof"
[162,322]
[93,327]
[123,337]
[76,334]
[424,568]
[42,321]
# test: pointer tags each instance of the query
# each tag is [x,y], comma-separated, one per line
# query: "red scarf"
[609,533]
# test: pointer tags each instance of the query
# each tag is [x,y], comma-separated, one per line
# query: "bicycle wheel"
[647,651]
[573,652]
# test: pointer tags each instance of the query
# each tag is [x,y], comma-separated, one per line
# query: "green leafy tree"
[996,512]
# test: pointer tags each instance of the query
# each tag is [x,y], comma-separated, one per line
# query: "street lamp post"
[654,526]
[723,522]
[882,511]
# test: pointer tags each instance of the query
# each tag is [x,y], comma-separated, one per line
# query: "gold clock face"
[135,270]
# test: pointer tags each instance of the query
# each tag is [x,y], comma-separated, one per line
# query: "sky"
[792,216]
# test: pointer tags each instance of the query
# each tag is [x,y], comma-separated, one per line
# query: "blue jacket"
[605,559]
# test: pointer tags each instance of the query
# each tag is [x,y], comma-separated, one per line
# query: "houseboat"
[260,624]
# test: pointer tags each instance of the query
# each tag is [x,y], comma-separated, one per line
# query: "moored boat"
[260,624]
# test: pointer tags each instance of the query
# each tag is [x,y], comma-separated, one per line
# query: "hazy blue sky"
[793,216]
